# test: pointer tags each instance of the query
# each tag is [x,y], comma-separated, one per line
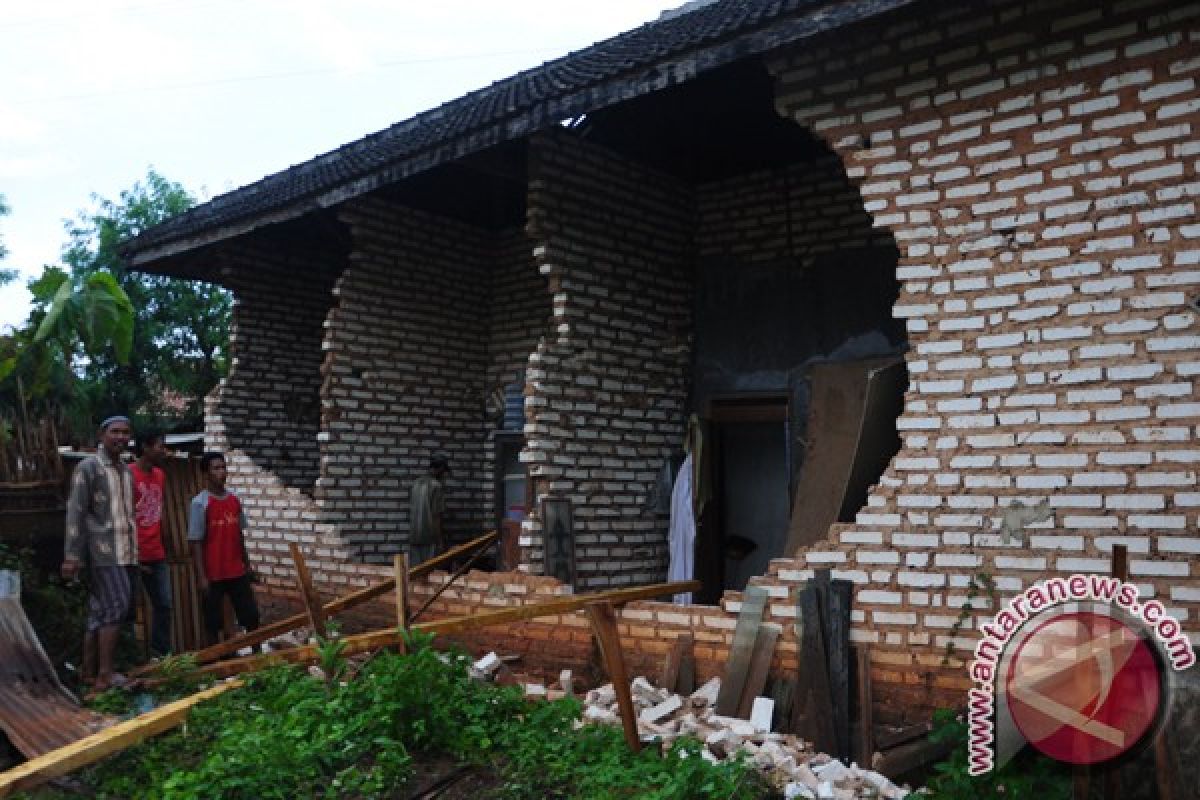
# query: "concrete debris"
[787,761]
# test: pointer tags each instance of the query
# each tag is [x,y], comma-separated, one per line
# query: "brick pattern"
[802,212]
[265,414]
[430,314]
[1038,166]
[606,393]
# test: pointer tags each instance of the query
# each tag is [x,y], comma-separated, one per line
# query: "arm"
[196,531]
[198,565]
[74,539]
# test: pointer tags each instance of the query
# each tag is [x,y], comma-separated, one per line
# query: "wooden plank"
[760,665]
[308,594]
[105,743]
[673,662]
[889,738]
[458,573]
[837,650]
[604,623]
[866,716]
[210,654]
[400,565]
[1111,783]
[908,757]
[687,671]
[374,640]
[812,711]
[754,600]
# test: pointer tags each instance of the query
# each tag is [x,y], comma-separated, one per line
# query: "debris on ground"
[787,761]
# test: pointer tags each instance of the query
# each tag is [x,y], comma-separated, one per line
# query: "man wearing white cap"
[101,532]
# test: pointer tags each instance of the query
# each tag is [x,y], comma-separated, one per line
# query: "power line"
[275,76]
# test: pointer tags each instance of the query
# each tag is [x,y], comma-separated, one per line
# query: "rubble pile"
[788,761]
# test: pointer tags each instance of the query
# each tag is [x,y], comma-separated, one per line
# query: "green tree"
[101,338]
[177,350]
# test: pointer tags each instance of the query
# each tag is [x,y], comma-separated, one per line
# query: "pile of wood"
[789,762]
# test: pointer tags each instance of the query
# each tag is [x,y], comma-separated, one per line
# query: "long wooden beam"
[212,653]
[375,640]
[104,743]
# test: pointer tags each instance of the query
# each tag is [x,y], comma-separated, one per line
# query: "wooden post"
[312,601]
[812,709]
[604,622]
[866,723]
[400,564]
[1119,570]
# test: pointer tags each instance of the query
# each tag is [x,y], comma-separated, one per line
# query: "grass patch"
[287,734]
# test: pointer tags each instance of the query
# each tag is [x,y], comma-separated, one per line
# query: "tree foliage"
[102,338]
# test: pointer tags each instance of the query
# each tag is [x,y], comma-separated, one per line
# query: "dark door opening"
[745,524]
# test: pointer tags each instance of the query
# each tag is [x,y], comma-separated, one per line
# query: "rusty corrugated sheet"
[37,713]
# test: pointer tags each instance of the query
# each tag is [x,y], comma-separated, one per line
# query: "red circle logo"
[1083,687]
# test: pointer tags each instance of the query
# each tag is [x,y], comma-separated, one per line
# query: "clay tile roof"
[658,54]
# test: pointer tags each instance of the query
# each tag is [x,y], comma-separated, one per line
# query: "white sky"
[215,94]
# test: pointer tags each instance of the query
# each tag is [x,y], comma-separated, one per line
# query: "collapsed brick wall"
[1037,164]
[405,359]
[607,392]
[265,414]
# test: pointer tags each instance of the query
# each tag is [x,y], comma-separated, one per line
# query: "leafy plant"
[1030,776]
[288,735]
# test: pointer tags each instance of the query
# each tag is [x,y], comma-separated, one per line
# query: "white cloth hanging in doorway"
[682,538]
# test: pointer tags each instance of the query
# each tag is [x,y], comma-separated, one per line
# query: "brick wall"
[407,357]
[796,213]
[1038,166]
[606,393]
[265,414]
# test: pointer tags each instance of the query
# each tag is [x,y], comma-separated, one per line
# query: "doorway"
[746,523]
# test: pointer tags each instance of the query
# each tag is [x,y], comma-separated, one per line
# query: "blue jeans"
[156,578]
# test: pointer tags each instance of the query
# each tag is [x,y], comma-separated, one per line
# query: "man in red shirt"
[151,448]
[216,528]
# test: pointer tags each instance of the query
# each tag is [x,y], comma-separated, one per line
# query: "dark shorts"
[241,596]
[109,598]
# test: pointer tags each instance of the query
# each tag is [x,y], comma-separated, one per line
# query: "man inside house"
[101,533]
[427,509]
[148,480]
[216,532]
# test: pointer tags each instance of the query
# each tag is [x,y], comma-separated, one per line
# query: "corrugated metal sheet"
[37,713]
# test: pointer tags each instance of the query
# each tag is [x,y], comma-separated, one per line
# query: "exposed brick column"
[607,391]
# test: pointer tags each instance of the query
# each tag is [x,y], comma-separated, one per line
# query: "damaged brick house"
[815,226]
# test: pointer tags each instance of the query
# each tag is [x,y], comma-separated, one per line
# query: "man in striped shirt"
[101,533]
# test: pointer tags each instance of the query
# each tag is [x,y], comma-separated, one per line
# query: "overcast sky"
[215,94]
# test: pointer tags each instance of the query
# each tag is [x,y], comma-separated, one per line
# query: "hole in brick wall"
[797,367]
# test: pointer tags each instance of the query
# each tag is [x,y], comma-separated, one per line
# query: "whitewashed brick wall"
[1038,165]
[606,392]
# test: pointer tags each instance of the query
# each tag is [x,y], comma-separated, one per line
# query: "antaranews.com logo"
[1067,666]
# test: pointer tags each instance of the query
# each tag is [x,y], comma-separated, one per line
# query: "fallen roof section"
[37,713]
[657,55]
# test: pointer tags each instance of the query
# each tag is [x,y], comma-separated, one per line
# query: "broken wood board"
[604,623]
[374,640]
[101,745]
[754,601]
[308,593]
[271,630]
[760,665]
[680,649]
[849,417]
[812,709]
[834,598]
